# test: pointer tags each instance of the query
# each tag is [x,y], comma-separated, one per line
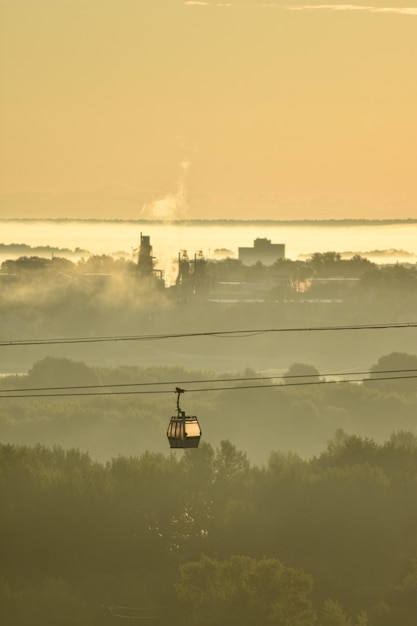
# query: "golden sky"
[199,109]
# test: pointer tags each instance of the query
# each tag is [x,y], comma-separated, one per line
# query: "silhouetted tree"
[392,364]
[301,372]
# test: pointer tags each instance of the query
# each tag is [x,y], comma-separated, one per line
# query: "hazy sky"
[235,109]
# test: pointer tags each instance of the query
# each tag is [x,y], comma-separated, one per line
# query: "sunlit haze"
[168,108]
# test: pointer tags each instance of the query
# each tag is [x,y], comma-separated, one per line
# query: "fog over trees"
[100,295]
[298,508]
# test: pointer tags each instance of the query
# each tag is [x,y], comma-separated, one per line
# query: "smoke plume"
[173,205]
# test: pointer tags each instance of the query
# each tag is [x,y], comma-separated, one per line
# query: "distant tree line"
[319,264]
[97,263]
[296,414]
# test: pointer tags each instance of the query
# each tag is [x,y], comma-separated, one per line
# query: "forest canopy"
[206,537]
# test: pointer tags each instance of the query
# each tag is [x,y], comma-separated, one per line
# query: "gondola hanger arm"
[179,391]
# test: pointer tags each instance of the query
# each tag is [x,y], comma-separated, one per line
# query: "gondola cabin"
[183,430]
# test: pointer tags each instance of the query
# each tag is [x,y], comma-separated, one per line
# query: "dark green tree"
[53,371]
[242,590]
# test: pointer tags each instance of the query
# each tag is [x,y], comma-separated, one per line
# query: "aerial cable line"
[208,380]
[236,388]
[239,334]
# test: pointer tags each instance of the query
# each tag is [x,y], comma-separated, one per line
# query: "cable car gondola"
[183,430]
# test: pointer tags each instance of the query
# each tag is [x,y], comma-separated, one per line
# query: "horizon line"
[184,221]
